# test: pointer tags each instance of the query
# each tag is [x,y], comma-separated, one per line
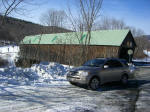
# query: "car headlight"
[132,69]
[83,73]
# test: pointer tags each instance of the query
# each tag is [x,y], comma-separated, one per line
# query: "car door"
[107,72]
[111,71]
[117,69]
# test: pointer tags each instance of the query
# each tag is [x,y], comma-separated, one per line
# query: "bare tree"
[136,32]
[88,11]
[107,23]
[54,18]
[19,7]
[142,44]
[9,6]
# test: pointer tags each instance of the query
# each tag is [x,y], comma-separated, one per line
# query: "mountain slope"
[15,29]
[147,36]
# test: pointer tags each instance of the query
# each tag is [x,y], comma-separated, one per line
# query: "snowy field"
[44,88]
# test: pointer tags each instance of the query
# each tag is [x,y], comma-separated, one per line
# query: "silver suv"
[99,71]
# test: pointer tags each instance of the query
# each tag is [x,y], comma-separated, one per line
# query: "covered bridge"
[67,48]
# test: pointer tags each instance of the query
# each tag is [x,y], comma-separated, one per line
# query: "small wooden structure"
[67,48]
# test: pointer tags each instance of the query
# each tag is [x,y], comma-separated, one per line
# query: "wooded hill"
[147,36]
[15,29]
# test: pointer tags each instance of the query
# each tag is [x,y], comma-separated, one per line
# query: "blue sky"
[134,12]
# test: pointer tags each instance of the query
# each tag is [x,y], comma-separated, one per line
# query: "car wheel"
[72,83]
[94,83]
[124,79]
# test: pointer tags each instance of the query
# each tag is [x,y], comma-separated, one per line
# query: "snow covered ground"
[9,53]
[64,99]
[44,88]
[43,73]
[143,101]
[9,49]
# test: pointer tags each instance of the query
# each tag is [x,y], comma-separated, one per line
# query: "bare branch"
[54,18]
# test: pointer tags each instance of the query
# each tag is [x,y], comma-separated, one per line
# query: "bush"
[25,63]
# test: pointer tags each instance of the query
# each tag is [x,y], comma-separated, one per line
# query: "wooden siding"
[67,54]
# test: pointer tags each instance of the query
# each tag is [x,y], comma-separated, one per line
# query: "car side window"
[109,64]
[117,64]
[113,64]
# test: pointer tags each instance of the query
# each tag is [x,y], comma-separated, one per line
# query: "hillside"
[147,36]
[15,29]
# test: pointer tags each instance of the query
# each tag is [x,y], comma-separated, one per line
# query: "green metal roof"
[102,37]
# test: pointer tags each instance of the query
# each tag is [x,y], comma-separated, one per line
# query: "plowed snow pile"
[39,74]
[43,73]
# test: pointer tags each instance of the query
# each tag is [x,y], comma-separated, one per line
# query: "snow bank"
[147,59]
[147,52]
[38,74]
[9,49]
[9,53]
[52,73]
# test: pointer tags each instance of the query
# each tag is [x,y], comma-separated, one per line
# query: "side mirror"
[106,66]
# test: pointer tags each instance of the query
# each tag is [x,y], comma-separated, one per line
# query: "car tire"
[72,83]
[124,80]
[94,83]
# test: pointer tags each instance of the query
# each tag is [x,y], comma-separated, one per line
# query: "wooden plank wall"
[67,54]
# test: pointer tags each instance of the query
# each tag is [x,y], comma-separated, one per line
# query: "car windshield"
[94,62]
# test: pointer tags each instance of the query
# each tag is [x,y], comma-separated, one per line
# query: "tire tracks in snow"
[143,79]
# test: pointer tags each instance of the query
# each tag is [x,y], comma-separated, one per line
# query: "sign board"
[130,51]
